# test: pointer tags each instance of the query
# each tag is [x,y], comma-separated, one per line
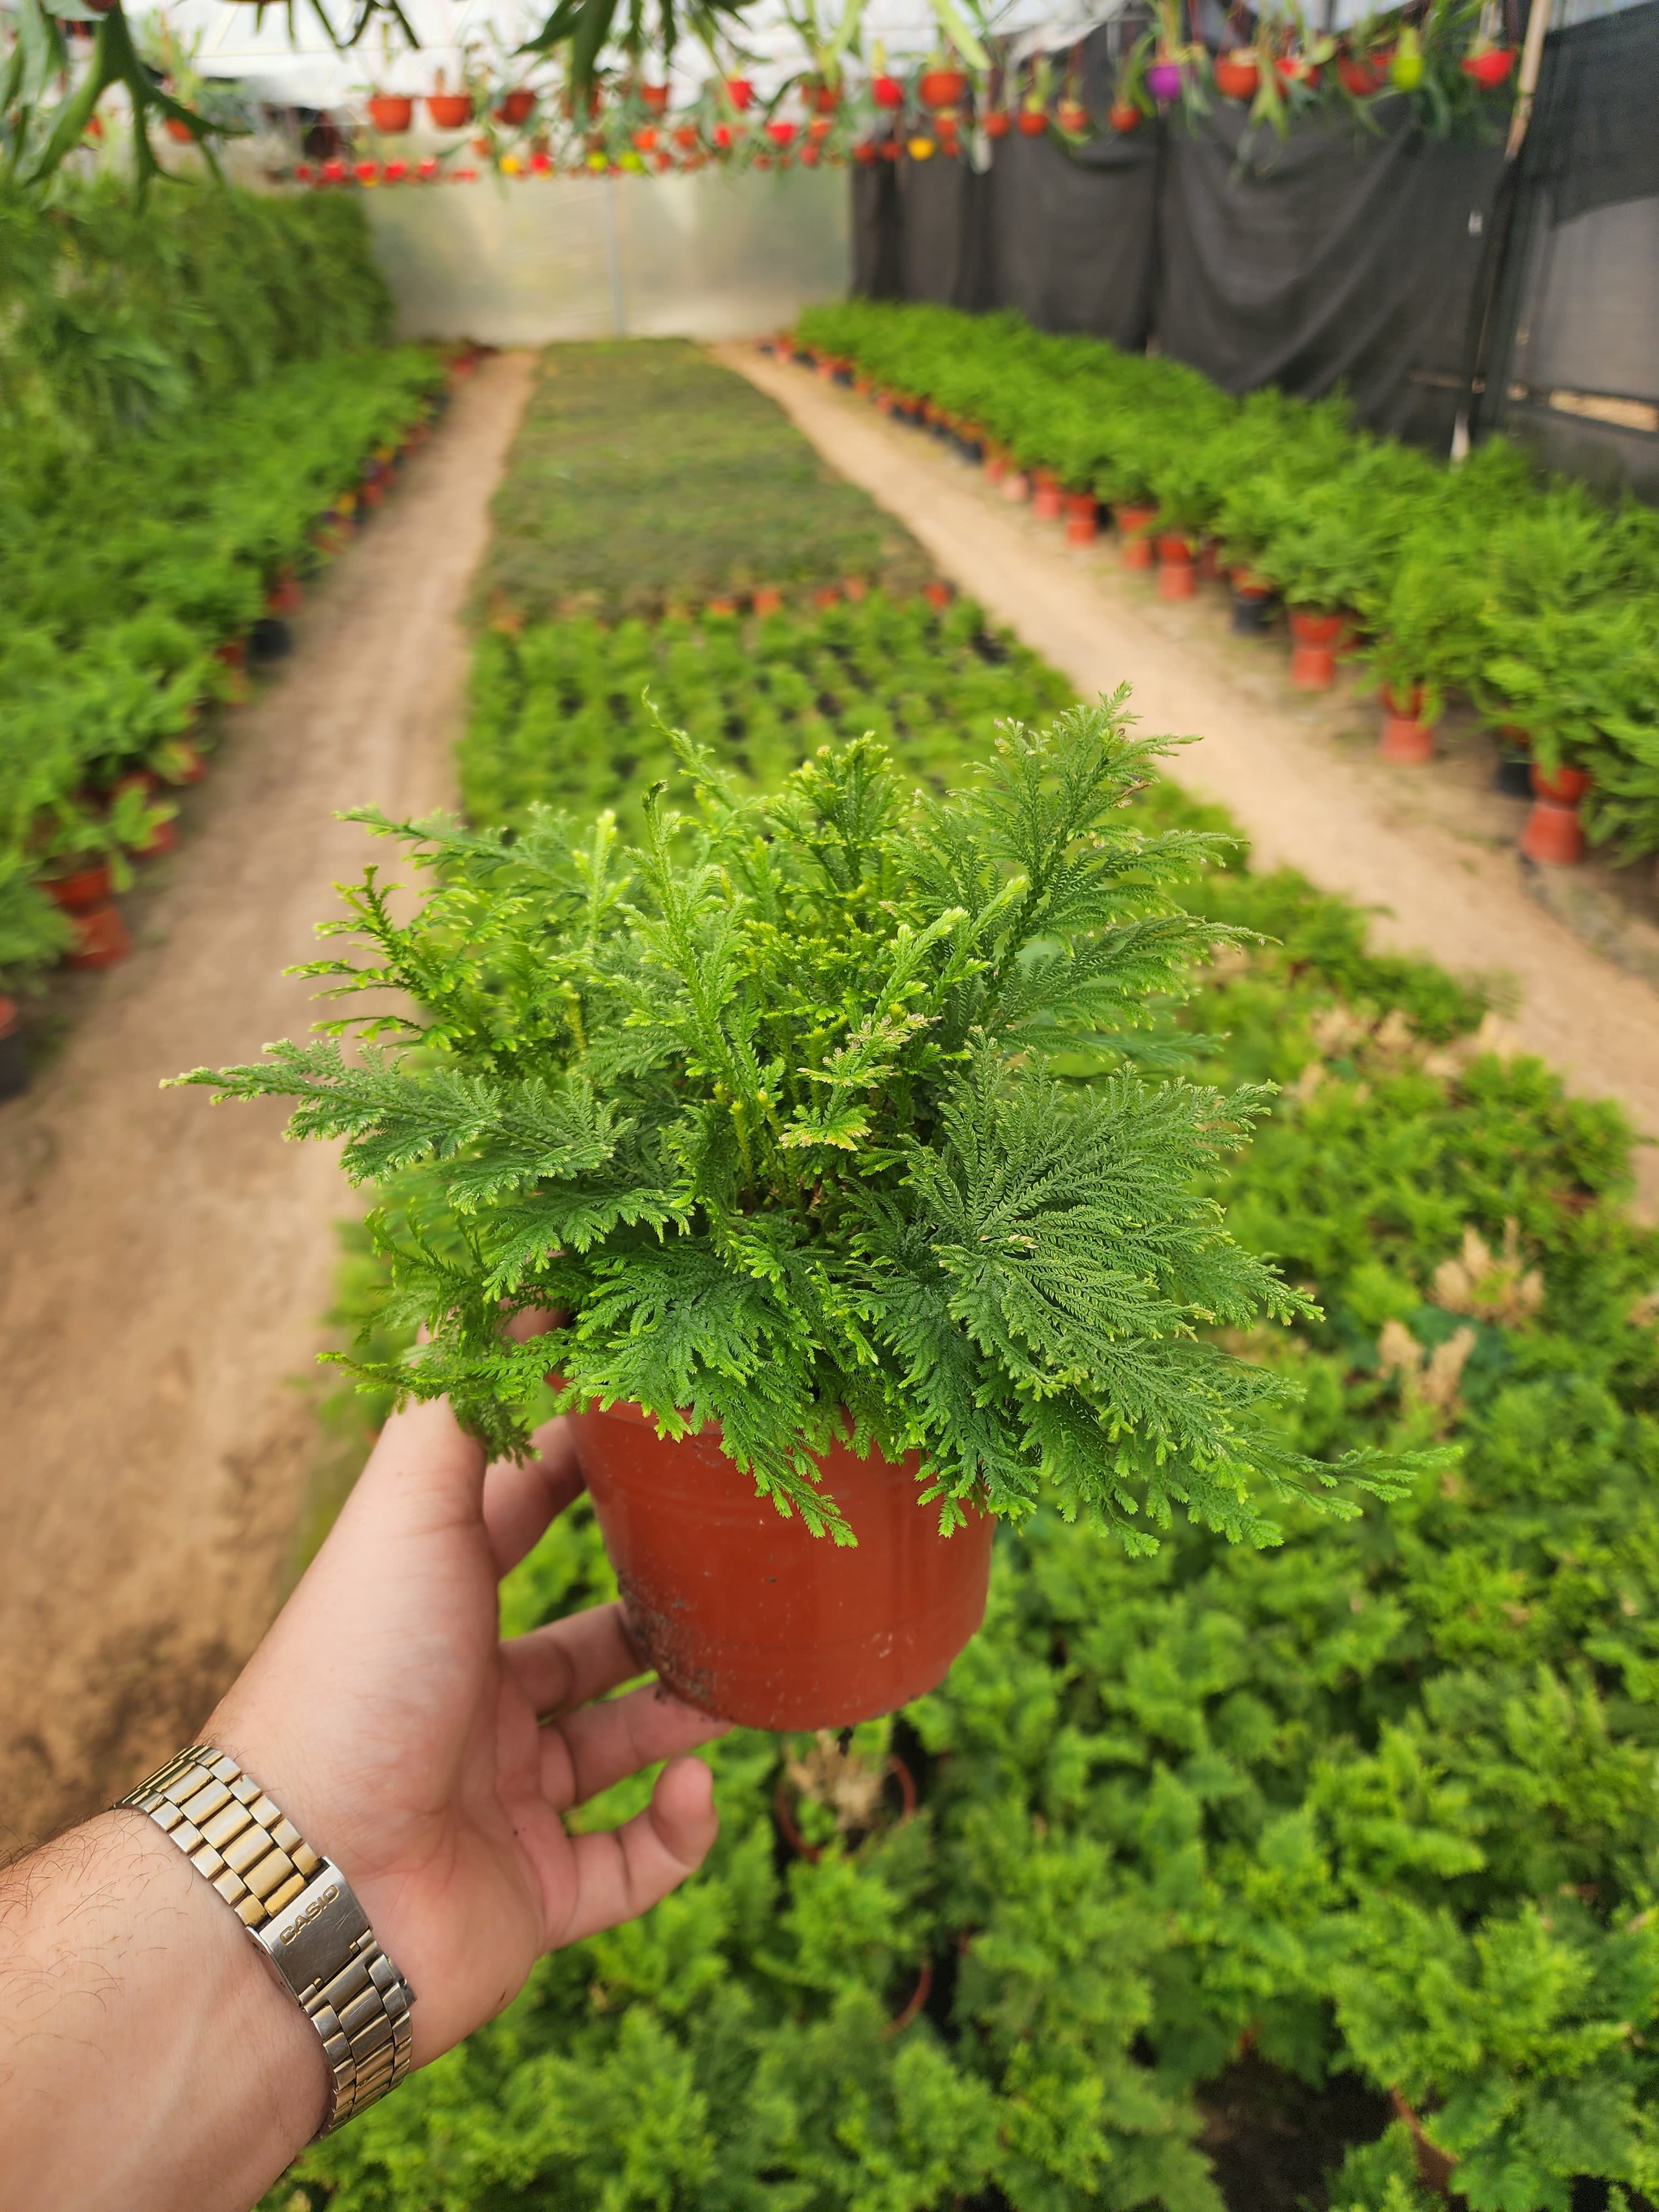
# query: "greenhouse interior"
[916,745]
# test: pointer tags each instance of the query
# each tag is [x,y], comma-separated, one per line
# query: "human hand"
[433,1762]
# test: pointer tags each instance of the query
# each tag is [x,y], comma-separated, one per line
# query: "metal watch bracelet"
[300,1909]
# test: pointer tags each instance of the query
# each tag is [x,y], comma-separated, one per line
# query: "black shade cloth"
[1329,259]
[1594,134]
[877,254]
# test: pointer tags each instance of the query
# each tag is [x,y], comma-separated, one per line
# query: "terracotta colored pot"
[887,92]
[79,893]
[826,595]
[766,600]
[1238,76]
[1209,562]
[996,465]
[1406,739]
[998,124]
[391,113]
[720,607]
[1134,527]
[161,840]
[1048,501]
[1072,116]
[942,88]
[937,594]
[1489,68]
[1360,78]
[1177,575]
[1032,121]
[101,938]
[450,111]
[1566,786]
[1313,657]
[1554,834]
[1123,115]
[517,107]
[747,1616]
[739,91]
[655,97]
[855,588]
[1016,484]
[1082,517]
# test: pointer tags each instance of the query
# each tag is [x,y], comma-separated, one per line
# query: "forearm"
[149,2059]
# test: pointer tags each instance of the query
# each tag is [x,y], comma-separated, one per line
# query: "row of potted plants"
[1368,1816]
[1523,594]
[130,609]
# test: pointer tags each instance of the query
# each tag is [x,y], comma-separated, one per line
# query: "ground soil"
[164,1264]
[1430,850]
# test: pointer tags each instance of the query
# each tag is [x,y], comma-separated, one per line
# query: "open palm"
[434,1762]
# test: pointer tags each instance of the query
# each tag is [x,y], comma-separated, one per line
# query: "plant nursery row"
[196,421]
[1524,595]
[1212,1875]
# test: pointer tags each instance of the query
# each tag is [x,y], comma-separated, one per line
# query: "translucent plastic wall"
[708,256]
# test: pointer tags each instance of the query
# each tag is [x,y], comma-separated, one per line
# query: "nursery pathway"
[1433,853]
[163,1263]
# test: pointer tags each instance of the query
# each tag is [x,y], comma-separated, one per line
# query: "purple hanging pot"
[1164,80]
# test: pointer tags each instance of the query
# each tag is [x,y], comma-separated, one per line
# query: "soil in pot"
[1134,526]
[861,1798]
[747,1616]
[1407,740]
[1177,579]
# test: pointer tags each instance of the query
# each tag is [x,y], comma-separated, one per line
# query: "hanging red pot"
[645,139]
[780,132]
[516,107]
[391,113]
[945,87]
[1361,78]
[367,173]
[823,99]
[997,123]
[1071,115]
[1406,739]
[867,153]
[1313,655]
[450,111]
[723,137]
[1082,517]
[1237,76]
[744,1615]
[1033,122]
[887,92]
[333,170]
[1123,115]
[655,97]
[1490,66]
[686,137]
[394,172]
[1134,527]
[739,91]
[820,129]
[1295,68]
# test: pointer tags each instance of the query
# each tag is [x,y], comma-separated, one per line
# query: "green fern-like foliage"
[835,1111]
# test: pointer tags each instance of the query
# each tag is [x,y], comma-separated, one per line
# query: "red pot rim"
[1311,628]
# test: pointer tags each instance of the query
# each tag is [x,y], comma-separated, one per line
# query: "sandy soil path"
[1301,775]
[163,1264]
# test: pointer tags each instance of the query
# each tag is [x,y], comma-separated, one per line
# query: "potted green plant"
[815,1122]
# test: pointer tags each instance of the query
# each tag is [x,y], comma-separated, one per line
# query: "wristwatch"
[301,1911]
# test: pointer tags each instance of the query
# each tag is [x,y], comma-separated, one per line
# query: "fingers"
[570,1660]
[518,1502]
[589,1750]
[425,1474]
[628,1869]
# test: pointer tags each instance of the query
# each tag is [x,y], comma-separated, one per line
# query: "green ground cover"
[645,477]
[1221,1831]
[181,397]
[1526,595]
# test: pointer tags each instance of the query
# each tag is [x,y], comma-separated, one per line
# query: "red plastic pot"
[1071,115]
[937,594]
[1209,562]
[1175,576]
[998,124]
[1566,786]
[1123,115]
[655,97]
[1359,77]
[1237,76]
[1313,653]
[1048,501]
[516,107]
[450,111]
[101,938]
[856,587]
[1295,68]
[942,88]
[1082,517]
[79,893]
[1032,121]
[887,92]
[1016,484]
[1554,834]
[747,1616]
[1134,527]
[739,91]
[766,600]
[1406,739]
[391,113]
[1491,67]
[780,132]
